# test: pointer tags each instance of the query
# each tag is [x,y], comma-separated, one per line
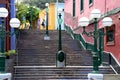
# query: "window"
[81,5]
[90,2]
[110,37]
[73,8]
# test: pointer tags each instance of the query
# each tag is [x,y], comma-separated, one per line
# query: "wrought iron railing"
[86,45]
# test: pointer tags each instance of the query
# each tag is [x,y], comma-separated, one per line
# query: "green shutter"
[90,1]
[81,5]
[73,8]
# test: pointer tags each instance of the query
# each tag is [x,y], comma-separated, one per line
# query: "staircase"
[53,73]
[36,58]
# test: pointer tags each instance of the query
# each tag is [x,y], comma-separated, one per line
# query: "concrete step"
[36,64]
[50,72]
[36,58]
[55,70]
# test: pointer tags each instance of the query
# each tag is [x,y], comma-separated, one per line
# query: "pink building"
[75,9]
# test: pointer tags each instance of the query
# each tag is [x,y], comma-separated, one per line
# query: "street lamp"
[46,37]
[3,14]
[30,17]
[95,14]
[83,22]
[15,24]
[107,22]
[60,56]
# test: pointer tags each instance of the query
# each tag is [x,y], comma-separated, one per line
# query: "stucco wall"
[104,6]
[114,48]
[51,17]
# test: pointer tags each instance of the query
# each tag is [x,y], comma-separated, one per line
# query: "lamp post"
[15,24]
[60,57]
[83,22]
[3,14]
[46,37]
[60,22]
[30,17]
[95,14]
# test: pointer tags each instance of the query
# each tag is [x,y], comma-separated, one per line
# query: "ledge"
[109,13]
[5,76]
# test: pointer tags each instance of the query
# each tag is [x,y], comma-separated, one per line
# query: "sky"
[18,1]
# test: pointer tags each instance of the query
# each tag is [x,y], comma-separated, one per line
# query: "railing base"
[5,76]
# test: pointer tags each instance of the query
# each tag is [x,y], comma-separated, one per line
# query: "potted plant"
[9,53]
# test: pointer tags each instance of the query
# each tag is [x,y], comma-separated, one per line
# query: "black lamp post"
[60,40]
[15,24]
[3,14]
[30,17]
[46,37]
[60,56]
[97,53]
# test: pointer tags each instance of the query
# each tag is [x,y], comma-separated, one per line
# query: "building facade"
[5,3]
[52,16]
[10,6]
[75,9]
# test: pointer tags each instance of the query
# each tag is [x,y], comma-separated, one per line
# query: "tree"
[21,11]
[25,11]
[40,3]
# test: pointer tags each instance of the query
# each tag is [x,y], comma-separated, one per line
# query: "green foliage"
[21,11]
[26,11]
[32,12]
[10,52]
[40,3]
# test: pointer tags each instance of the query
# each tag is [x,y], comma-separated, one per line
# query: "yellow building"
[51,17]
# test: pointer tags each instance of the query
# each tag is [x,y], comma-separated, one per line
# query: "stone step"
[50,53]
[37,58]
[46,79]
[36,64]
[51,76]
[50,63]
[49,59]
[66,70]
[57,77]
[49,72]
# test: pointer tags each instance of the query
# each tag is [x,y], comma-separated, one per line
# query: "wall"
[13,15]
[5,3]
[51,22]
[41,17]
[115,47]
[51,17]
[104,6]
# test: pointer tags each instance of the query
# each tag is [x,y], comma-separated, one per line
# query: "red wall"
[104,6]
[114,49]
